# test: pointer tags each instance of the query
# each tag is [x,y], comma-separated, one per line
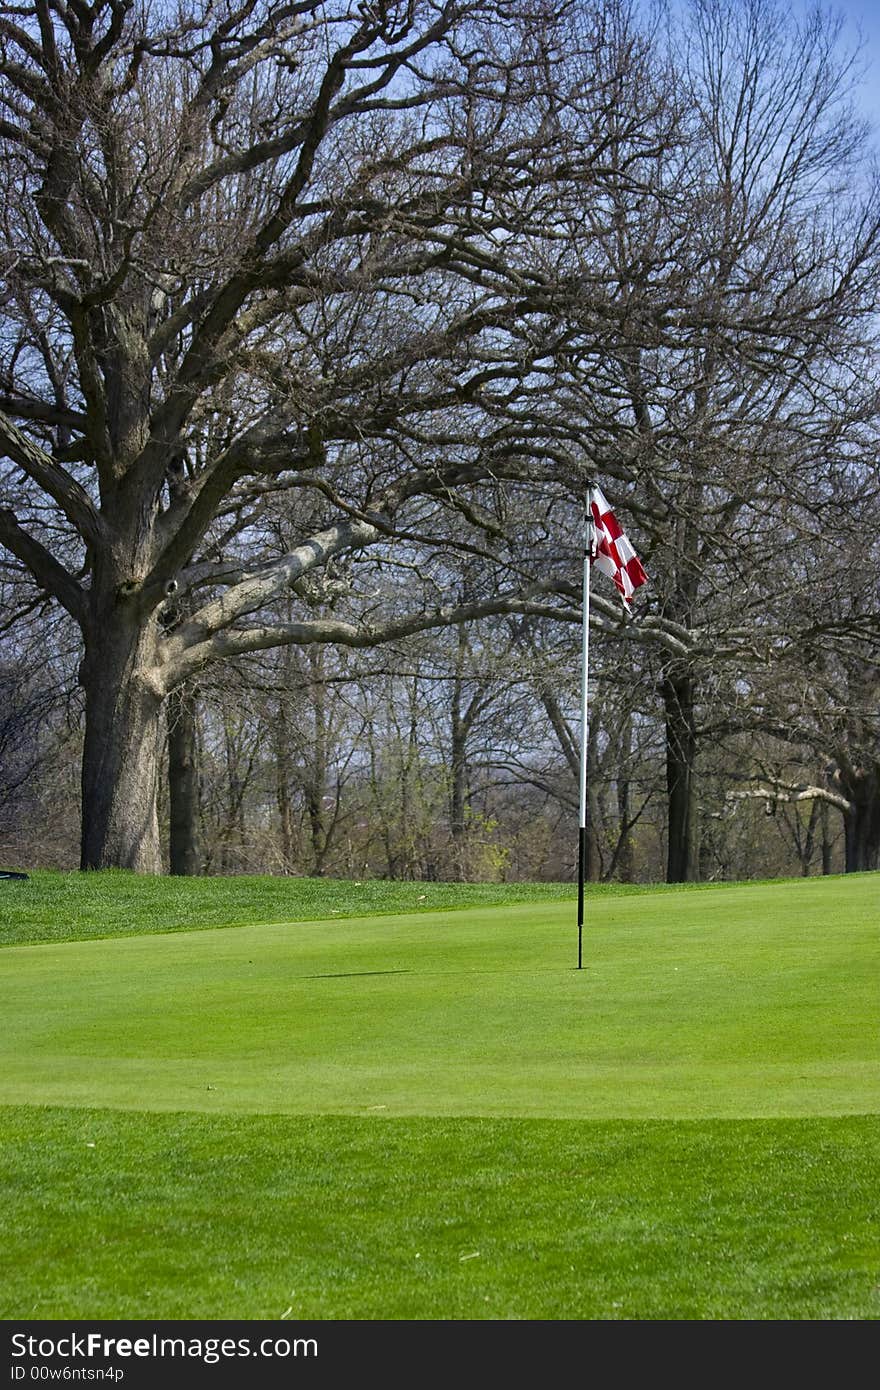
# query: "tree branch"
[181,662]
[789,794]
[71,497]
[46,570]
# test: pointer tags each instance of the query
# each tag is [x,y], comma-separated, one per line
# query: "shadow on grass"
[353,974]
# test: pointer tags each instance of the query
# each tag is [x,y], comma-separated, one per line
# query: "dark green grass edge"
[52,906]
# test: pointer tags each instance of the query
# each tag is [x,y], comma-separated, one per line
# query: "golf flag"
[612,553]
[606,547]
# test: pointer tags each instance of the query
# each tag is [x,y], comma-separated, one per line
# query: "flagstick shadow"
[354,974]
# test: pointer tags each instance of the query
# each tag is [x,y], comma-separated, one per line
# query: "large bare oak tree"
[260,248]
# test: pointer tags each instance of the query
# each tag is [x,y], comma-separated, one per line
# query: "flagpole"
[585,673]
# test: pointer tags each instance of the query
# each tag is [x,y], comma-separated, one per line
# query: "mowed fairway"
[436,1115]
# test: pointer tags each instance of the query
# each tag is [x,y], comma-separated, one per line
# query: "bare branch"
[67,492]
[47,571]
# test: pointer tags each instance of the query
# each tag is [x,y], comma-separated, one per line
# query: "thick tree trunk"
[862,823]
[682,858]
[120,770]
[183,783]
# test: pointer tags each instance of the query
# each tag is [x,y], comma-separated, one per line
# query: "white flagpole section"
[585,698]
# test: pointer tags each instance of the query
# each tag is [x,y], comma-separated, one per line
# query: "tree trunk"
[682,859]
[183,782]
[317,764]
[283,779]
[624,852]
[809,842]
[315,808]
[824,816]
[458,773]
[120,770]
[862,823]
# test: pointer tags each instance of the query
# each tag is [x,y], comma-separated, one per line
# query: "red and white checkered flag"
[612,552]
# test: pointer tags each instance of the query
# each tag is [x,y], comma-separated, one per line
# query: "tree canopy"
[303,303]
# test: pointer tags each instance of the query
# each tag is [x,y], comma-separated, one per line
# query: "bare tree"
[759,264]
[254,248]
[300,300]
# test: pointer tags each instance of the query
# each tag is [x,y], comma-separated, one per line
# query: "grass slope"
[72,906]
[688,1128]
[52,906]
[760,1002]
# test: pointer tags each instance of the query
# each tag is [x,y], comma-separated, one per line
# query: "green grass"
[114,1215]
[735,1004]
[435,1115]
[69,906]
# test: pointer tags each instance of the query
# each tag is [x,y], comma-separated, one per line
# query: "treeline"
[450,758]
[316,321]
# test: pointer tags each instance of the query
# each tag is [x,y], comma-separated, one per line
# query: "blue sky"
[861,23]
[863,17]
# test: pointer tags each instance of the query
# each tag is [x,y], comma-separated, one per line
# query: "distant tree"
[757,257]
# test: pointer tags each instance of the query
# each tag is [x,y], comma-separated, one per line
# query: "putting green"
[758,1001]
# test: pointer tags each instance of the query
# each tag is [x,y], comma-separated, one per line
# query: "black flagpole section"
[582,854]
